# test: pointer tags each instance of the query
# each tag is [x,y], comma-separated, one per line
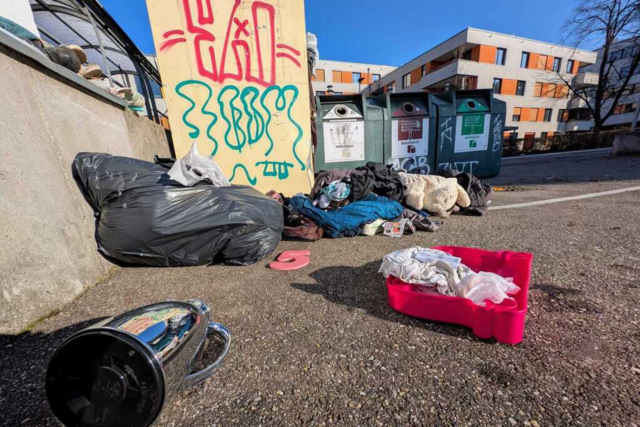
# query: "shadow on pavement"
[23,365]
[364,288]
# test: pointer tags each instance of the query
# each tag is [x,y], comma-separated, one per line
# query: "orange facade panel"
[540,115]
[537,89]
[509,87]
[336,76]
[517,111]
[534,58]
[549,64]
[542,62]
[562,91]
[319,76]
[548,90]
[367,78]
[533,114]
[525,114]
[416,75]
[475,54]
[346,77]
[576,65]
[487,54]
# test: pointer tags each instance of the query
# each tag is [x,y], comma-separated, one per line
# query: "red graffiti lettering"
[241,45]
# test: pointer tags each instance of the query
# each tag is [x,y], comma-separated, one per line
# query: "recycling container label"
[343,141]
[409,137]
[472,132]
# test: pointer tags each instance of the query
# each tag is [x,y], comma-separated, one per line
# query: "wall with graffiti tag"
[235,78]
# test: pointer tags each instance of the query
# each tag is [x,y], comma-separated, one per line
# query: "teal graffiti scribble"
[242,131]
[281,103]
[279,169]
[195,131]
[256,120]
[236,116]
[251,180]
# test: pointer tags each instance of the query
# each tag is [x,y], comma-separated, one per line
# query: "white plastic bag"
[487,286]
[193,168]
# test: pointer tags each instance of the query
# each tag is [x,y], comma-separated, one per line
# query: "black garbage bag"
[145,218]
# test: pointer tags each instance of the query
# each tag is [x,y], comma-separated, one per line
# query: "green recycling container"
[412,132]
[351,131]
[470,131]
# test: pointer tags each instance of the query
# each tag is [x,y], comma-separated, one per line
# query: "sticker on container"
[472,132]
[343,141]
[409,137]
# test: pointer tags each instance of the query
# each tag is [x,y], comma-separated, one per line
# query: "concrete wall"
[48,254]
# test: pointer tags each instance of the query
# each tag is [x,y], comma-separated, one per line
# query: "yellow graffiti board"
[235,79]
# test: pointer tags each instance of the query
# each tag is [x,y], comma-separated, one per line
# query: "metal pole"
[104,55]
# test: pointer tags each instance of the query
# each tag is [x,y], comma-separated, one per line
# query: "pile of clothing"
[374,198]
[440,272]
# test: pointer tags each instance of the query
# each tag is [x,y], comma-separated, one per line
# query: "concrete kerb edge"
[31,326]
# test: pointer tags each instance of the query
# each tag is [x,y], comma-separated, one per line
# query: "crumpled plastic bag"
[194,167]
[487,286]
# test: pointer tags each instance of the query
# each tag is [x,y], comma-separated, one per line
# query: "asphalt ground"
[320,346]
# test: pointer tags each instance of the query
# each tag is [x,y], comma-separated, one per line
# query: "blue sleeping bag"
[348,220]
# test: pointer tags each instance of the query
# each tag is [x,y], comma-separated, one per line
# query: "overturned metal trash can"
[122,371]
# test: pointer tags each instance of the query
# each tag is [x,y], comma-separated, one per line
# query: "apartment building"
[346,78]
[620,55]
[530,76]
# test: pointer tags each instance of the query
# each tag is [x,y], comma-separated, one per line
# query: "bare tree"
[605,23]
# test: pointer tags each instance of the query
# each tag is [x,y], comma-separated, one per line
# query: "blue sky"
[391,32]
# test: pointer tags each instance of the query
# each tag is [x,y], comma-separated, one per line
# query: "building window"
[625,108]
[569,66]
[520,88]
[547,114]
[423,70]
[516,114]
[355,77]
[376,77]
[524,61]
[561,115]
[406,80]
[556,64]
[497,86]
[624,72]
[501,55]
[613,56]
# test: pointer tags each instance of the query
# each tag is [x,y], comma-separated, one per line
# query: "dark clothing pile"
[479,192]
[343,201]
[371,178]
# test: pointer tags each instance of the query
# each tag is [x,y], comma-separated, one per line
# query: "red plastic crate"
[504,322]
